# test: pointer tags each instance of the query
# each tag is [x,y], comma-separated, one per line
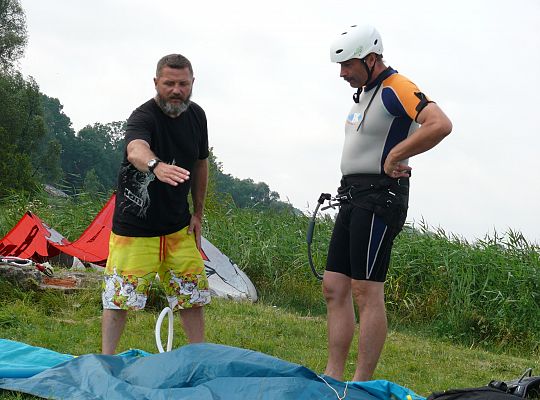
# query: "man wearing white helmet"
[390,121]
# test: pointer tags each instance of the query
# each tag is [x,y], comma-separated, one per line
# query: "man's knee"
[114,319]
[368,294]
[336,286]
[114,314]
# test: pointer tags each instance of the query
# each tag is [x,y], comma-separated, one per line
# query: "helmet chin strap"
[356,96]
[368,70]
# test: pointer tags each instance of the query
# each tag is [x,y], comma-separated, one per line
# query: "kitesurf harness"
[384,196]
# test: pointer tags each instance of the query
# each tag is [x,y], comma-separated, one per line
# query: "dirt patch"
[29,278]
[68,282]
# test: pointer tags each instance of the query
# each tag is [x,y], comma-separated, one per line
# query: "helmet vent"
[376,41]
[344,33]
[339,51]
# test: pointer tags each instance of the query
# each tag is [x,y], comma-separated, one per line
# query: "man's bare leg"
[340,321]
[112,326]
[369,297]
[192,320]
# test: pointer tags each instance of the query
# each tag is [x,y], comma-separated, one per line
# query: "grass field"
[461,314]
[70,323]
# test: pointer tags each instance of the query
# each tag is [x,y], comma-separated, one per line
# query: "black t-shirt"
[145,206]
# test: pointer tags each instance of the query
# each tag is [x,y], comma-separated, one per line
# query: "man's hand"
[435,125]
[139,153]
[171,174]
[396,170]
[195,226]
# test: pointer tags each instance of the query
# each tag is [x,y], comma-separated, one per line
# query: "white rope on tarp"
[159,322]
[167,310]
[334,390]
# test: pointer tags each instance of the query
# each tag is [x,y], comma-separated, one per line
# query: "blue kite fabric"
[193,372]
[20,360]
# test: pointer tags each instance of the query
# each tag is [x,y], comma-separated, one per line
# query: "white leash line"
[334,390]
[166,310]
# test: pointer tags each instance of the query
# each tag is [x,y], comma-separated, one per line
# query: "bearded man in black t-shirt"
[153,230]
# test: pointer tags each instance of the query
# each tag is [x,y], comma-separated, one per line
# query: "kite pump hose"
[311,228]
[166,310]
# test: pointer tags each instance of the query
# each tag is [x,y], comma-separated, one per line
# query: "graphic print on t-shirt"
[136,190]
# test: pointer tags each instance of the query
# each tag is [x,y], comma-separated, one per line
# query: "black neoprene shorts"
[361,245]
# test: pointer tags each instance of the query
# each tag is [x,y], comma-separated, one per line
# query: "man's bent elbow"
[130,157]
[448,127]
[444,128]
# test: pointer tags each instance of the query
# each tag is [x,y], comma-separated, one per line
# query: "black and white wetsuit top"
[371,132]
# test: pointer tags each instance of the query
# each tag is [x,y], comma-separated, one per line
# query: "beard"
[173,110]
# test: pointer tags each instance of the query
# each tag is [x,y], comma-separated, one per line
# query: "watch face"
[152,164]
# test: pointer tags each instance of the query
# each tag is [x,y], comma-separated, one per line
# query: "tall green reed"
[486,292]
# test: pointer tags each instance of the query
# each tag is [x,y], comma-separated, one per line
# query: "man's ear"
[369,60]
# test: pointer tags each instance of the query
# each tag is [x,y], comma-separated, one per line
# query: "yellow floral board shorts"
[134,262]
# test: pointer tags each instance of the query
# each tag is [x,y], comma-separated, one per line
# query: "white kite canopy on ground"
[32,239]
[224,277]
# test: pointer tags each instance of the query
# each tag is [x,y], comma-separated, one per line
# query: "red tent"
[32,238]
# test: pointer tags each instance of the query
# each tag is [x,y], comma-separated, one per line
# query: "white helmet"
[356,41]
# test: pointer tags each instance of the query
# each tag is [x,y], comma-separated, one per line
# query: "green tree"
[97,148]
[92,185]
[100,147]
[21,129]
[12,32]
[16,172]
[59,145]
[49,161]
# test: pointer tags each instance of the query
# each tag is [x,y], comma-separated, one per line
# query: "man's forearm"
[139,153]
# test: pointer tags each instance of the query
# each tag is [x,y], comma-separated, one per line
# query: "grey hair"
[176,61]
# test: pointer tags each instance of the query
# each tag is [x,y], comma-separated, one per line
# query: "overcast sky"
[276,105]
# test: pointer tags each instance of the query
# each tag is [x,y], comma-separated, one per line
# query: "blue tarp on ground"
[198,371]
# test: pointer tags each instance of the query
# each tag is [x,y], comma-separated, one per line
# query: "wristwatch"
[152,164]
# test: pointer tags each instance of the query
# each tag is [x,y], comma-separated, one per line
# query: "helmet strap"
[368,70]
[356,96]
